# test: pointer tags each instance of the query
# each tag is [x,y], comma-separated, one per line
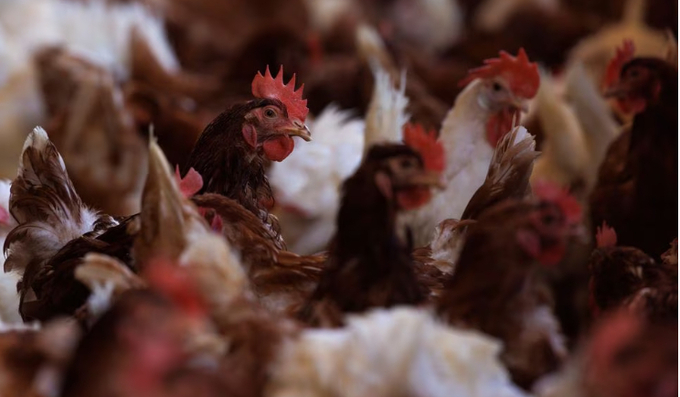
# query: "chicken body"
[370,264]
[637,190]
[498,288]
[468,154]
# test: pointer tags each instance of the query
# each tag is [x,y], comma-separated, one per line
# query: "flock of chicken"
[190,220]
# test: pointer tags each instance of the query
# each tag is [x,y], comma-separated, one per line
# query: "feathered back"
[509,172]
[166,214]
[46,207]
[507,178]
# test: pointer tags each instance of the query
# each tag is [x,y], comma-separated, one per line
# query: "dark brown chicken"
[370,262]
[497,287]
[637,190]
[232,151]
[619,273]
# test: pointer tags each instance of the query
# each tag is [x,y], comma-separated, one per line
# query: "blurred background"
[96,74]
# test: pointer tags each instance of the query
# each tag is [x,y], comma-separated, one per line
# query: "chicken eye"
[496,87]
[406,163]
[270,113]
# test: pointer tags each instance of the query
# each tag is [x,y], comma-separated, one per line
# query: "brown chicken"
[619,273]
[232,151]
[173,231]
[497,287]
[93,131]
[637,190]
[55,230]
[370,262]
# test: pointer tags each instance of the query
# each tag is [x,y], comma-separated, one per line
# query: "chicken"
[595,51]
[306,185]
[638,179]
[482,114]
[507,178]
[369,262]
[508,244]
[55,229]
[93,131]
[96,31]
[628,353]
[250,332]
[140,347]
[423,107]
[618,274]
[244,136]
[578,130]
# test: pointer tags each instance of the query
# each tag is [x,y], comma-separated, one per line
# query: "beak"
[521,104]
[299,129]
[427,179]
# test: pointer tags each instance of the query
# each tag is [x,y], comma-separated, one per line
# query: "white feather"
[401,351]
[468,155]
[386,113]
[310,178]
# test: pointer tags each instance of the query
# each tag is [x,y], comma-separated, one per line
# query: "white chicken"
[401,351]
[482,114]
[578,128]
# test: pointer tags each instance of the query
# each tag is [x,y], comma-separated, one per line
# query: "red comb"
[425,143]
[190,184]
[273,88]
[548,191]
[605,236]
[521,75]
[623,55]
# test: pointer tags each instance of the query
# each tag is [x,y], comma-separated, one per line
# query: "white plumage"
[468,154]
[578,129]
[386,113]
[9,298]
[310,178]
[397,352]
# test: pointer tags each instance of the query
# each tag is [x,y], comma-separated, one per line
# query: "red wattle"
[499,124]
[279,148]
[413,198]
